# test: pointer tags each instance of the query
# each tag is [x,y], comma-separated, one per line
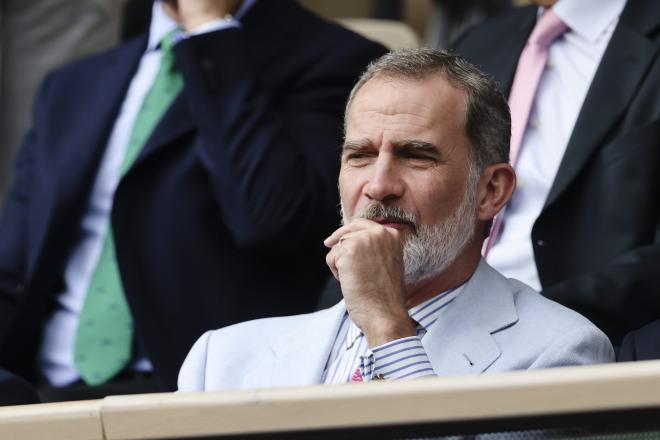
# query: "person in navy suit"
[221,216]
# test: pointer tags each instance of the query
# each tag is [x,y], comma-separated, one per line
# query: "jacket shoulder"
[219,356]
[553,334]
[535,307]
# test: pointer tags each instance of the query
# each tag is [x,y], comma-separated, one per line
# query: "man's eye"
[358,157]
[421,158]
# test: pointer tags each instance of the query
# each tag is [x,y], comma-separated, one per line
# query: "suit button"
[540,243]
[20,287]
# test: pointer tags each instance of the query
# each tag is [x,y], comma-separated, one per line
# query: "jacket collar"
[82,145]
[461,342]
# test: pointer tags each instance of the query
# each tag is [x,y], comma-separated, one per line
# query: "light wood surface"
[490,396]
[539,392]
[53,421]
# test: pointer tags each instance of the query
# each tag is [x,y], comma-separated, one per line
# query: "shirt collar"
[161,23]
[425,314]
[589,18]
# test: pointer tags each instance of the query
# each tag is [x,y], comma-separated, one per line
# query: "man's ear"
[495,189]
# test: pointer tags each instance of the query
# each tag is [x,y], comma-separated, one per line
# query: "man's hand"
[194,13]
[367,259]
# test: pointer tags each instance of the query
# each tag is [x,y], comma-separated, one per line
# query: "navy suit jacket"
[597,239]
[222,216]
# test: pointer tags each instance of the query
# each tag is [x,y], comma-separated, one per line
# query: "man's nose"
[385,183]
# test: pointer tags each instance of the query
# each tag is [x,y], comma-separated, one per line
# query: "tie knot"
[167,42]
[547,29]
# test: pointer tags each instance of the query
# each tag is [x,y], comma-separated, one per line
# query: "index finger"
[357,224]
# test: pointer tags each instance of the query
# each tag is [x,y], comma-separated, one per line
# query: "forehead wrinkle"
[389,121]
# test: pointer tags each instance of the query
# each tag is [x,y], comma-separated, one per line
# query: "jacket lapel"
[80,130]
[176,122]
[503,65]
[299,356]
[624,64]
[461,341]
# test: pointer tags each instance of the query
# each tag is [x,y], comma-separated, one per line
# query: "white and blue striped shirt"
[403,358]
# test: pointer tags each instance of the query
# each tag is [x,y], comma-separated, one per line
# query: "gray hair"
[487,118]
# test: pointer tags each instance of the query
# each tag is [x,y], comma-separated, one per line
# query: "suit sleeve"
[14,221]
[272,154]
[642,344]
[15,390]
[627,353]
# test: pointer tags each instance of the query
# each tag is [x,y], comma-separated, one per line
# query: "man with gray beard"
[424,169]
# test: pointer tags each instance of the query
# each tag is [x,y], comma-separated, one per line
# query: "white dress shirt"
[403,358]
[572,62]
[55,360]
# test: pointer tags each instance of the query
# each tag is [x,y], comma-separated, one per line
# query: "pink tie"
[528,74]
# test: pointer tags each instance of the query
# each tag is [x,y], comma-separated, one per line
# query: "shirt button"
[550,64]
[534,122]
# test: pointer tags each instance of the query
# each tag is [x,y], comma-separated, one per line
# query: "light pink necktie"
[531,64]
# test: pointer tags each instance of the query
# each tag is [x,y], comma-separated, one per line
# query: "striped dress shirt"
[403,358]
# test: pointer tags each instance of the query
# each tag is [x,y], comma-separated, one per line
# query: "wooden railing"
[455,403]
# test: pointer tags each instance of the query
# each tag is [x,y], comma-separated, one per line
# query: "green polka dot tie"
[105,331]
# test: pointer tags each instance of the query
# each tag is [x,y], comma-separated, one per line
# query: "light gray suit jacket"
[495,324]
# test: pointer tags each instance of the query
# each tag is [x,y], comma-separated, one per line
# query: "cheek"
[437,197]
[347,189]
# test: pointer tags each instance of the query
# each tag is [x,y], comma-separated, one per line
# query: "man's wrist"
[380,332]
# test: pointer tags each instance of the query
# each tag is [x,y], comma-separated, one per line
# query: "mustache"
[393,214]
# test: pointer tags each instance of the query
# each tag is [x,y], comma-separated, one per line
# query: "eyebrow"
[413,145]
[357,144]
[407,144]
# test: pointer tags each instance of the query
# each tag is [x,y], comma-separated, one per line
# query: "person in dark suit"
[15,391]
[642,344]
[217,218]
[583,224]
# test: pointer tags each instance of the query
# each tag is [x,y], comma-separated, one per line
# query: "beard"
[430,249]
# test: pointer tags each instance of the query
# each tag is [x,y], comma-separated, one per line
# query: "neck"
[458,272]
